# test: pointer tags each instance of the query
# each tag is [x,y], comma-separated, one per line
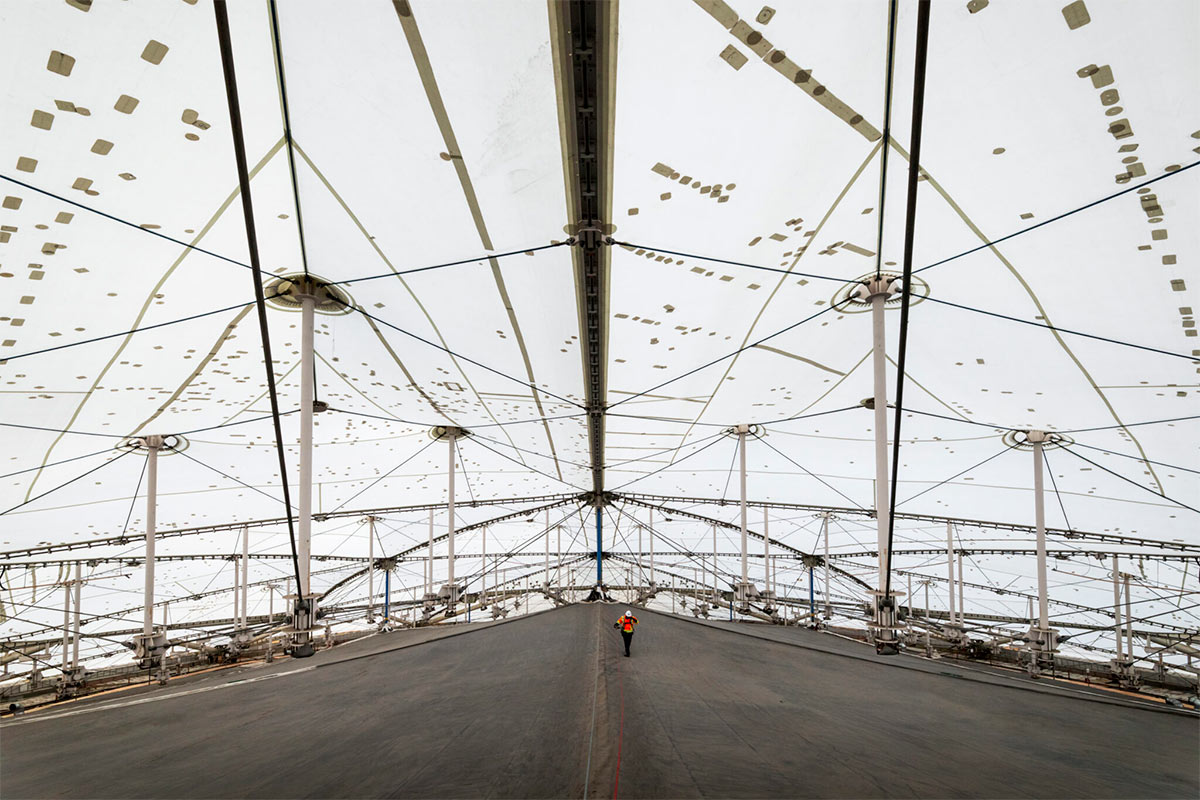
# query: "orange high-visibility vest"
[627,623]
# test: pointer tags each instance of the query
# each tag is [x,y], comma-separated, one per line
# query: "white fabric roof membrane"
[435,137]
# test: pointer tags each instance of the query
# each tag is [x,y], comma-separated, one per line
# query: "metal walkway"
[546,706]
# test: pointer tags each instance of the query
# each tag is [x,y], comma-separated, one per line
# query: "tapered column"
[304,501]
[66,647]
[1039,499]
[714,533]
[370,568]
[825,536]
[650,532]
[879,362]
[962,607]
[245,574]
[547,581]
[429,560]
[1116,573]
[558,547]
[1128,623]
[75,626]
[950,569]
[742,430]
[483,558]
[152,444]
[1043,639]
[766,552]
[639,553]
[450,437]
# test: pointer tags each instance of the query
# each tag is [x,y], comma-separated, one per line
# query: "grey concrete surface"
[546,706]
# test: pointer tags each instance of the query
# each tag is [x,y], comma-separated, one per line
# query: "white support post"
[1043,640]
[950,569]
[1117,604]
[742,430]
[370,568]
[825,535]
[304,501]
[714,533]
[766,551]
[66,648]
[879,362]
[75,639]
[547,581]
[910,595]
[237,595]
[558,569]
[1128,623]
[429,565]
[483,565]
[1040,519]
[245,574]
[639,553]
[650,532]
[450,437]
[151,443]
[962,607]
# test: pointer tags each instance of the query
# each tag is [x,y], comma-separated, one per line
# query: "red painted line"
[620,733]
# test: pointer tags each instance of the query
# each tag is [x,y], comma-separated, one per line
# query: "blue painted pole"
[599,548]
[387,593]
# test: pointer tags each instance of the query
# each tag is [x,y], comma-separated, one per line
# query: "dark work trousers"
[628,637]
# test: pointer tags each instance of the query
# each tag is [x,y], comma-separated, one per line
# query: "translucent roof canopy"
[429,178]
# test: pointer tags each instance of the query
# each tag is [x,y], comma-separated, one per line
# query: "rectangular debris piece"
[734,57]
[1076,14]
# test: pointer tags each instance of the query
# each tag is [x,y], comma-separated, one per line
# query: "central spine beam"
[583,40]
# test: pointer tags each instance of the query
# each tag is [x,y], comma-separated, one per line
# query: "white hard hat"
[629,612]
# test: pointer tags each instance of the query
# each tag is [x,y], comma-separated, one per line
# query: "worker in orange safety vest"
[626,624]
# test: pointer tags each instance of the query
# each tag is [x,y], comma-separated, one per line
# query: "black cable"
[952,477]
[914,173]
[1132,424]
[463,462]
[887,132]
[223,474]
[1057,494]
[659,452]
[730,263]
[1128,480]
[1138,458]
[67,483]
[57,430]
[742,349]
[386,474]
[668,466]
[729,473]
[1121,193]
[234,424]
[133,500]
[531,386]
[477,259]
[239,148]
[527,451]
[56,463]
[468,427]
[126,222]
[123,333]
[532,469]
[1057,329]
[810,474]
[287,130]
